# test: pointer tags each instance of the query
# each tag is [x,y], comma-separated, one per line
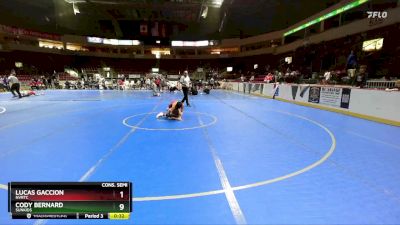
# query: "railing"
[380,84]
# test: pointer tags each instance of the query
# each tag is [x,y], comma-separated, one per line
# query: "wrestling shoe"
[159,115]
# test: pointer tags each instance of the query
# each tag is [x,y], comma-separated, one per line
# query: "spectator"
[4,84]
[327,76]
[141,83]
[155,89]
[33,84]
[67,85]
[362,76]
[44,82]
[49,82]
[212,83]
[351,66]
[158,83]
[279,77]
[121,84]
[138,84]
[148,83]
[269,78]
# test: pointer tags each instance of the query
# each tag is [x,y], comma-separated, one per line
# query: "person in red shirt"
[121,84]
[268,78]
[174,111]
[34,84]
[158,83]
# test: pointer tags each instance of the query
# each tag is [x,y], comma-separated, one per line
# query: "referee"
[14,84]
[185,81]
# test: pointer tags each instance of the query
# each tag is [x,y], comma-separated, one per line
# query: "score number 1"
[121,206]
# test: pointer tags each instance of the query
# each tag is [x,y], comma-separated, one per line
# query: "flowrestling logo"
[377,14]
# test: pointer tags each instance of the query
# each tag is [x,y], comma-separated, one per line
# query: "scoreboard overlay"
[70,200]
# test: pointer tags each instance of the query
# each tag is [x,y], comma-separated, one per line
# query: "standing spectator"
[362,76]
[158,83]
[121,84]
[14,84]
[148,82]
[242,78]
[212,82]
[155,89]
[55,78]
[351,66]
[279,76]
[164,83]
[141,83]
[49,82]
[5,83]
[44,81]
[185,81]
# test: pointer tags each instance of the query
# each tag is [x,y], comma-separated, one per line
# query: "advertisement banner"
[330,96]
[345,101]
[314,94]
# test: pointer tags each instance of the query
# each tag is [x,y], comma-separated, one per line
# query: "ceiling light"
[217,3]
[204,12]
[76,9]
[75,1]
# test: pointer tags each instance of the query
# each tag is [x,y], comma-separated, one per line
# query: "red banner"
[25,32]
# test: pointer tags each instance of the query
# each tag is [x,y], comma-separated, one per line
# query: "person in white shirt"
[185,81]
[212,82]
[156,93]
[14,84]
[138,84]
[148,83]
[327,76]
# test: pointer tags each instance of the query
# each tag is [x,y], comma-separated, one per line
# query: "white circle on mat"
[213,121]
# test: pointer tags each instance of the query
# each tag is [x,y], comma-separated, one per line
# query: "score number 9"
[121,206]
